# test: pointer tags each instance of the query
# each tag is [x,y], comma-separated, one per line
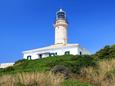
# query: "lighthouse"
[60,26]
[61,45]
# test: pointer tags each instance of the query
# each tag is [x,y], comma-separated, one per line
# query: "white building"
[61,46]
[5,65]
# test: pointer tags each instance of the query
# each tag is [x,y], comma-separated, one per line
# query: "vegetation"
[38,79]
[74,63]
[107,52]
[97,70]
[103,75]
[73,82]
[31,79]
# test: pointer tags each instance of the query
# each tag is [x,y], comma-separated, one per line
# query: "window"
[80,53]
[67,52]
[50,55]
[40,56]
[53,54]
[29,57]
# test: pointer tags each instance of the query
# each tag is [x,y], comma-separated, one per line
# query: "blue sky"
[28,24]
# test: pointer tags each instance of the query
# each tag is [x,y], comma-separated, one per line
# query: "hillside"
[44,65]
[97,69]
[74,63]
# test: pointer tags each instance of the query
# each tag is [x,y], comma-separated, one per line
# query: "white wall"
[60,51]
[83,51]
[60,35]
[75,50]
[5,65]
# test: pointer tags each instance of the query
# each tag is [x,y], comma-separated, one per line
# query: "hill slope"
[74,63]
[97,69]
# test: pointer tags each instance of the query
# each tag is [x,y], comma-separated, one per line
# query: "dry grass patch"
[104,75]
[31,79]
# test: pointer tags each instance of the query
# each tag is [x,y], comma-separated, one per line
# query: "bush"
[107,52]
[8,69]
[61,69]
[74,63]
[103,53]
[112,51]
[80,62]
[20,61]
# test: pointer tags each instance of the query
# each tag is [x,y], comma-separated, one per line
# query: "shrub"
[74,63]
[107,52]
[8,69]
[20,61]
[112,51]
[61,69]
[103,53]
[82,61]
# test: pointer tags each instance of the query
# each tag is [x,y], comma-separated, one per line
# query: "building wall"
[60,35]
[5,65]
[60,32]
[60,51]
[83,51]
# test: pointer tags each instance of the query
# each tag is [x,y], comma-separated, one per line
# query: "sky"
[28,24]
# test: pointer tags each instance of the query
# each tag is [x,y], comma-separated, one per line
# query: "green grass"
[74,83]
[74,63]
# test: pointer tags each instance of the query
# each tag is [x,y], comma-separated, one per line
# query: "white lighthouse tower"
[61,46]
[61,28]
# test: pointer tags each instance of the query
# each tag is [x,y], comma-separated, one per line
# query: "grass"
[31,79]
[74,63]
[38,79]
[103,75]
[73,82]
[84,70]
[24,69]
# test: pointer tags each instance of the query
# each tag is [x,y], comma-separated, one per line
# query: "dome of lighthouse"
[60,15]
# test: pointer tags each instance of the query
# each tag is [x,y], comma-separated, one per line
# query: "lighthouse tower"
[61,28]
